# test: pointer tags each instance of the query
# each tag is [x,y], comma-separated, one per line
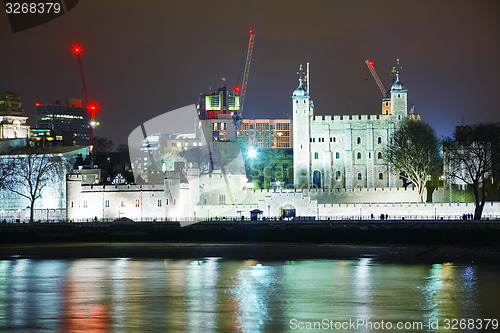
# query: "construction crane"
[369,63]
[246,73]
[91,107]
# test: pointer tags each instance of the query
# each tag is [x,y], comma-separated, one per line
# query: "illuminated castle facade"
[344,151]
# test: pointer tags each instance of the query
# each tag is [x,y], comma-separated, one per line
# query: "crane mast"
[246,73]
[91,107]
[375,76]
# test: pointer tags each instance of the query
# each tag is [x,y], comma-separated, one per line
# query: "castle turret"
[399,100]
[302,114]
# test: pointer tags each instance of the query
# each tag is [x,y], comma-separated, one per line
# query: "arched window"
[381,176]
[399,117]
[316,156]
[337,175]
[359,176]
[359,156]
[379,140]
[379,155]
[337,155]
[359,140]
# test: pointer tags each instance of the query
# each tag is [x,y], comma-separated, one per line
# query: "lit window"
[159,203]
[137,202]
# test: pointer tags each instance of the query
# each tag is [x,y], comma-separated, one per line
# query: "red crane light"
[251,31]
[237,89]
[92,106]
[77,49]
[371,63]
[37,104]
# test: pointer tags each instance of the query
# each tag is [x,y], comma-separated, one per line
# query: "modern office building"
[63,120]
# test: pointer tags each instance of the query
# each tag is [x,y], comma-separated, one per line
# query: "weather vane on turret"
[395,70]
[301,74]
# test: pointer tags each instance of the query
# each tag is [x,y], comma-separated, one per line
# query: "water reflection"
[212,294]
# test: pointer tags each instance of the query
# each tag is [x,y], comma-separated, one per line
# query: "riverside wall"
[482,233]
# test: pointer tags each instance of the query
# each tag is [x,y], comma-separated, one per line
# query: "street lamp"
[252,153]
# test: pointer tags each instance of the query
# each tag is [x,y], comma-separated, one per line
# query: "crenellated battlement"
[348,117]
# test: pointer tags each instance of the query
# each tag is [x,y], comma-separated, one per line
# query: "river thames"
[214,294]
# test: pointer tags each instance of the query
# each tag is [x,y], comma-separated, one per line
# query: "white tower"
[302,113]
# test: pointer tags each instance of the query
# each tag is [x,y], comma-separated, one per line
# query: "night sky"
[144,58]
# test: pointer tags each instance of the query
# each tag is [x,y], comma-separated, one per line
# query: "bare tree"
[469,158]
[413,150]
[34,169]
[6,170]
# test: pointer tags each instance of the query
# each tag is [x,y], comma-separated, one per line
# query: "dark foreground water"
[212,295]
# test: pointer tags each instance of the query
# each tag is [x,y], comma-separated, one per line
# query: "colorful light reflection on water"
[212,294]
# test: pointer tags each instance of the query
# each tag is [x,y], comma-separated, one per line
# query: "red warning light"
[371,63]
[77,49]
[37,104]
[237,89]
[251,31]
[92,107]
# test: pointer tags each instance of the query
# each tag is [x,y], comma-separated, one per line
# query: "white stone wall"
[407,211]
[109,202]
